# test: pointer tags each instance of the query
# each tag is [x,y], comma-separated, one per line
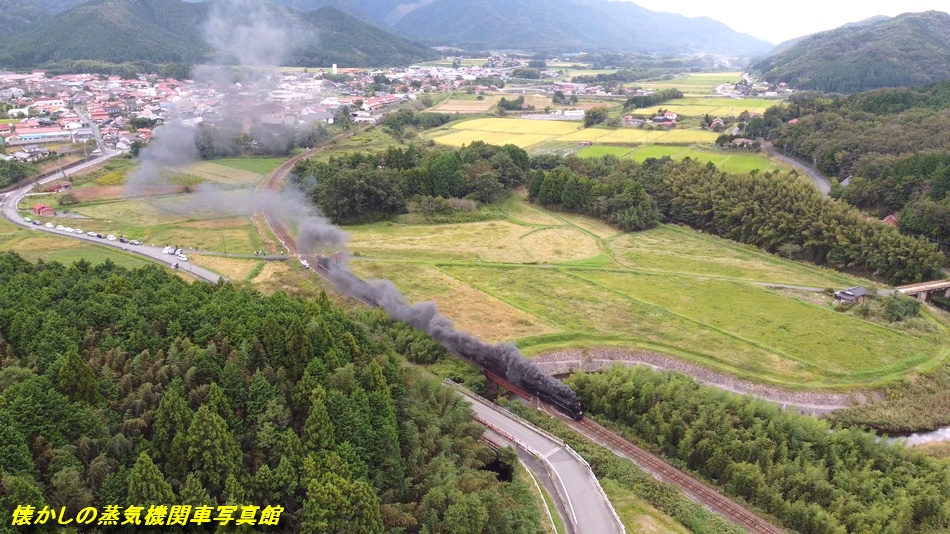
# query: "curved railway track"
[698,490]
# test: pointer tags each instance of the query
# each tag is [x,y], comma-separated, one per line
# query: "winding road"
[9,207]
[820,181]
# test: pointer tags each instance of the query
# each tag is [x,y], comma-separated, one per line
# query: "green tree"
[77,380]
[595,116]
[194,493]
[147,485]
[336,505]
[319,433]
[170,429]
[212,454]
[467,515]
[445,174]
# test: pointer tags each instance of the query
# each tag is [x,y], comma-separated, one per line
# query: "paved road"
[588,509]
[8,208]
[820,181]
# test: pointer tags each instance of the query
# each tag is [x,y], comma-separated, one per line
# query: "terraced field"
[549,281]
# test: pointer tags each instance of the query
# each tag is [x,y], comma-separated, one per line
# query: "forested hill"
[910,49]
[172,31]
[556,25]
[893,143]
[136,388]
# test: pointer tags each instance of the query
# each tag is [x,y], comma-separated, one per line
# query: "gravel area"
[563,362]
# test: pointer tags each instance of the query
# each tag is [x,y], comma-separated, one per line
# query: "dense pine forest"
[815,479]
[135,388]
[892,143]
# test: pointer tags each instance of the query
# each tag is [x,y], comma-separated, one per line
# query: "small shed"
[854,294]
[43,210]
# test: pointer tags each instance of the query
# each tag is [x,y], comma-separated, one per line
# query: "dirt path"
[562,362]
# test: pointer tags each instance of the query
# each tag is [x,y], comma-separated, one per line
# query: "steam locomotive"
[525,384]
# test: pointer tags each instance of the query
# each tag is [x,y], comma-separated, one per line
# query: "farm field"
[717,106]
[457,105]
[696,84]
[736,162]
[526,133]
[549,281]
[214,220]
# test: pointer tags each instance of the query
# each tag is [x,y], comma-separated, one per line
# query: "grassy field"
[729,161]
[549,281]
[637,515]
[671,249]
[34,245]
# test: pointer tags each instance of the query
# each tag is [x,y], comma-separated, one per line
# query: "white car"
[68,229]
[110,237]
[182,257]
[27,219]
[91,234]
[60,227]
[48,225]
[168,250]
[78,231]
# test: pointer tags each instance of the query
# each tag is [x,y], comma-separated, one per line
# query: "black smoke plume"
[501,358]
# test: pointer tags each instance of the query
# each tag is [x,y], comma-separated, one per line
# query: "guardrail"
[547,464]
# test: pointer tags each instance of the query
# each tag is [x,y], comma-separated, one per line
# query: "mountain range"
[553,25]
[352,32]
[906,50]
[174,31]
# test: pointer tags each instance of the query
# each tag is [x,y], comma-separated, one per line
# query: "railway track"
[703,493]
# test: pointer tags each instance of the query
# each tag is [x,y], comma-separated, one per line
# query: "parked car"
[48,225]
[110,237]
[78,231]
[135,242]
[68,229]
[37,223]
[27,219]
[60,227]
[123,240]
[100,236]
[91,234]
[182,257]
[168,250]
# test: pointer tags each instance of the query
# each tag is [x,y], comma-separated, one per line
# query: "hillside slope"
[910,49]
[173,31]
[557,25]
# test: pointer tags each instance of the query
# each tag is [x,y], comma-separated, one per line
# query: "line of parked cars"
[70,230]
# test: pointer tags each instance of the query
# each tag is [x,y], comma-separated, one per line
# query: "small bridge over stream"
[925,291]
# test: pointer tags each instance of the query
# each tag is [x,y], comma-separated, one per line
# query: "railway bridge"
[927,290]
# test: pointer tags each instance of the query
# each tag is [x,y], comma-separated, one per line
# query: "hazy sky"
[779,21]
